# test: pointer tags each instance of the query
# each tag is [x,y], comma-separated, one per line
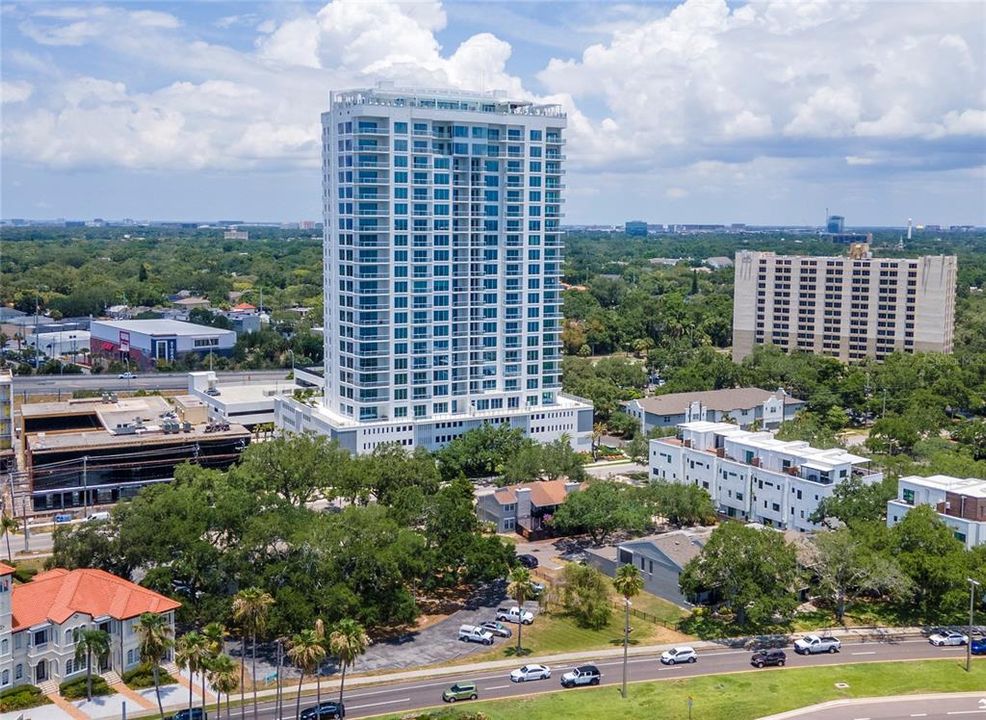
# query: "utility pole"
[85,485]
[626,643]
[972,609]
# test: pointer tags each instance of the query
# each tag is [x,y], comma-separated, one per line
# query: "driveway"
[43,712]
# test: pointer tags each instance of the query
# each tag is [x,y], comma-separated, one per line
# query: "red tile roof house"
[525,508]
[40,619]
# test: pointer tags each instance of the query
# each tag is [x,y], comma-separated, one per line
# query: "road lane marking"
[871,652]
[965,712]
[919,714]
[385,702]
[866,718]
[497,687]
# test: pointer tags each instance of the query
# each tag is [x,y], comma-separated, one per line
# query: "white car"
[530,672]
[680,654]
[948,637]
[514,615]
[127,376]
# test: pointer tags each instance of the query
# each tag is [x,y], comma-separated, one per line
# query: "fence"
[649,617]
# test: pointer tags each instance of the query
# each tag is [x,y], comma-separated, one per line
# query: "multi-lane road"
[495,684]
[52,384]
[926,707]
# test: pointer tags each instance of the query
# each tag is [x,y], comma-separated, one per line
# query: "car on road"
[978,647]
[581,675]
[127,376]
[476,634]
[325,711]
[530,672]
[515,615]
[497,628]
[63,518]
[766,658]
[948,637]
[460,691]
[528,561]
[679,654]
[189,714]
[814,644]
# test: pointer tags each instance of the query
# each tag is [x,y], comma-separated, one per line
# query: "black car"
[528,561]
[325,711]
[186,714]
[763,658]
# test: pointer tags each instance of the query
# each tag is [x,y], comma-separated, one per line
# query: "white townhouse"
[959,502]
[752,475]
[41,619]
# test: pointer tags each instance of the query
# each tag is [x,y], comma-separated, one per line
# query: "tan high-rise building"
[848,307]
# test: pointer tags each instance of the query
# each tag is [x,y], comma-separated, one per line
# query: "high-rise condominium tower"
[443,257]
[847,307]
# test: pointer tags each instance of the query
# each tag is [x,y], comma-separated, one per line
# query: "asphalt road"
[406,696]
[51,384]
[902,707]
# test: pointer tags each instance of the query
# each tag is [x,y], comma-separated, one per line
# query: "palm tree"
[87,644]
[520,589]
[154,632]
[307,653]
[214,635]
[628,583]
[347,642]
[191,652]
[8,524]
[222,677]
[250,609]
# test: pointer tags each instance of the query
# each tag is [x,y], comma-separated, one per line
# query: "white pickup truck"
[813,644]
[515,615]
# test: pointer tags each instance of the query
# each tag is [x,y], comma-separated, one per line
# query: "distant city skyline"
[764,113]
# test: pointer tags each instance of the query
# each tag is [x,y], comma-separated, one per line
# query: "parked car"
[189,714]
[978,647]
[764,658]
[497,628]
[530,672]
[948,637]
[537,588]
[474,633]
[98,516]
[814,644]
[528,561]
[679,654]
[325,711]
[515,615]
[582,675]
[460,691]
[127,376]
[63,518]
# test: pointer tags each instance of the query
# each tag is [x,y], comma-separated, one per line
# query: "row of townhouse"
[40,622]
[753,476]
[959,502]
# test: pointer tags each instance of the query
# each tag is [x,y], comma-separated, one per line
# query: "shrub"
[448,715]
[21,697]
[76,689]
[142,677]
[24,573]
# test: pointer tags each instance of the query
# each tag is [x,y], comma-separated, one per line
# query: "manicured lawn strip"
[739,696]
[666,611]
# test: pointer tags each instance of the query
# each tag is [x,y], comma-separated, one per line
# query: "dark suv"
[528,561]
[763,658]
[189,714]
[325,711]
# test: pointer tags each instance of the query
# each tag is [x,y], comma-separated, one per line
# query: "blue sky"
[702,111]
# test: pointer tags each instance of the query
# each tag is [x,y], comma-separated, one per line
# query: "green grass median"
[737,696]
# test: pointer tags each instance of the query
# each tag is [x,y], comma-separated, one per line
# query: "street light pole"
[972,609]
[626,642]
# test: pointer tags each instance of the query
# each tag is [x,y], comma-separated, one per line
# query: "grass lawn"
[740,696]
[555,632]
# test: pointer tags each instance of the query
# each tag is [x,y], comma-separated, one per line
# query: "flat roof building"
[753,476]
[143,342]
[7,456]
[847,307]
[959,502]
[95,451]
[442,288]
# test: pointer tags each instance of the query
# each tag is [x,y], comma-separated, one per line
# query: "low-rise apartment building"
[959,502]
[525,508]
[752,475]
[745,406]
[40,622]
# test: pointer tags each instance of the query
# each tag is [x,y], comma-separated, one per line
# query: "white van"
[99,516]
[471,633]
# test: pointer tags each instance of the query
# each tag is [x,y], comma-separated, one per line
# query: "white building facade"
[959,502]
[443,256]
[751,475]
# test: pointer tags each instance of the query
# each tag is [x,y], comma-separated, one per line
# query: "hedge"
[22,697]
[142,677]
[76,689]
